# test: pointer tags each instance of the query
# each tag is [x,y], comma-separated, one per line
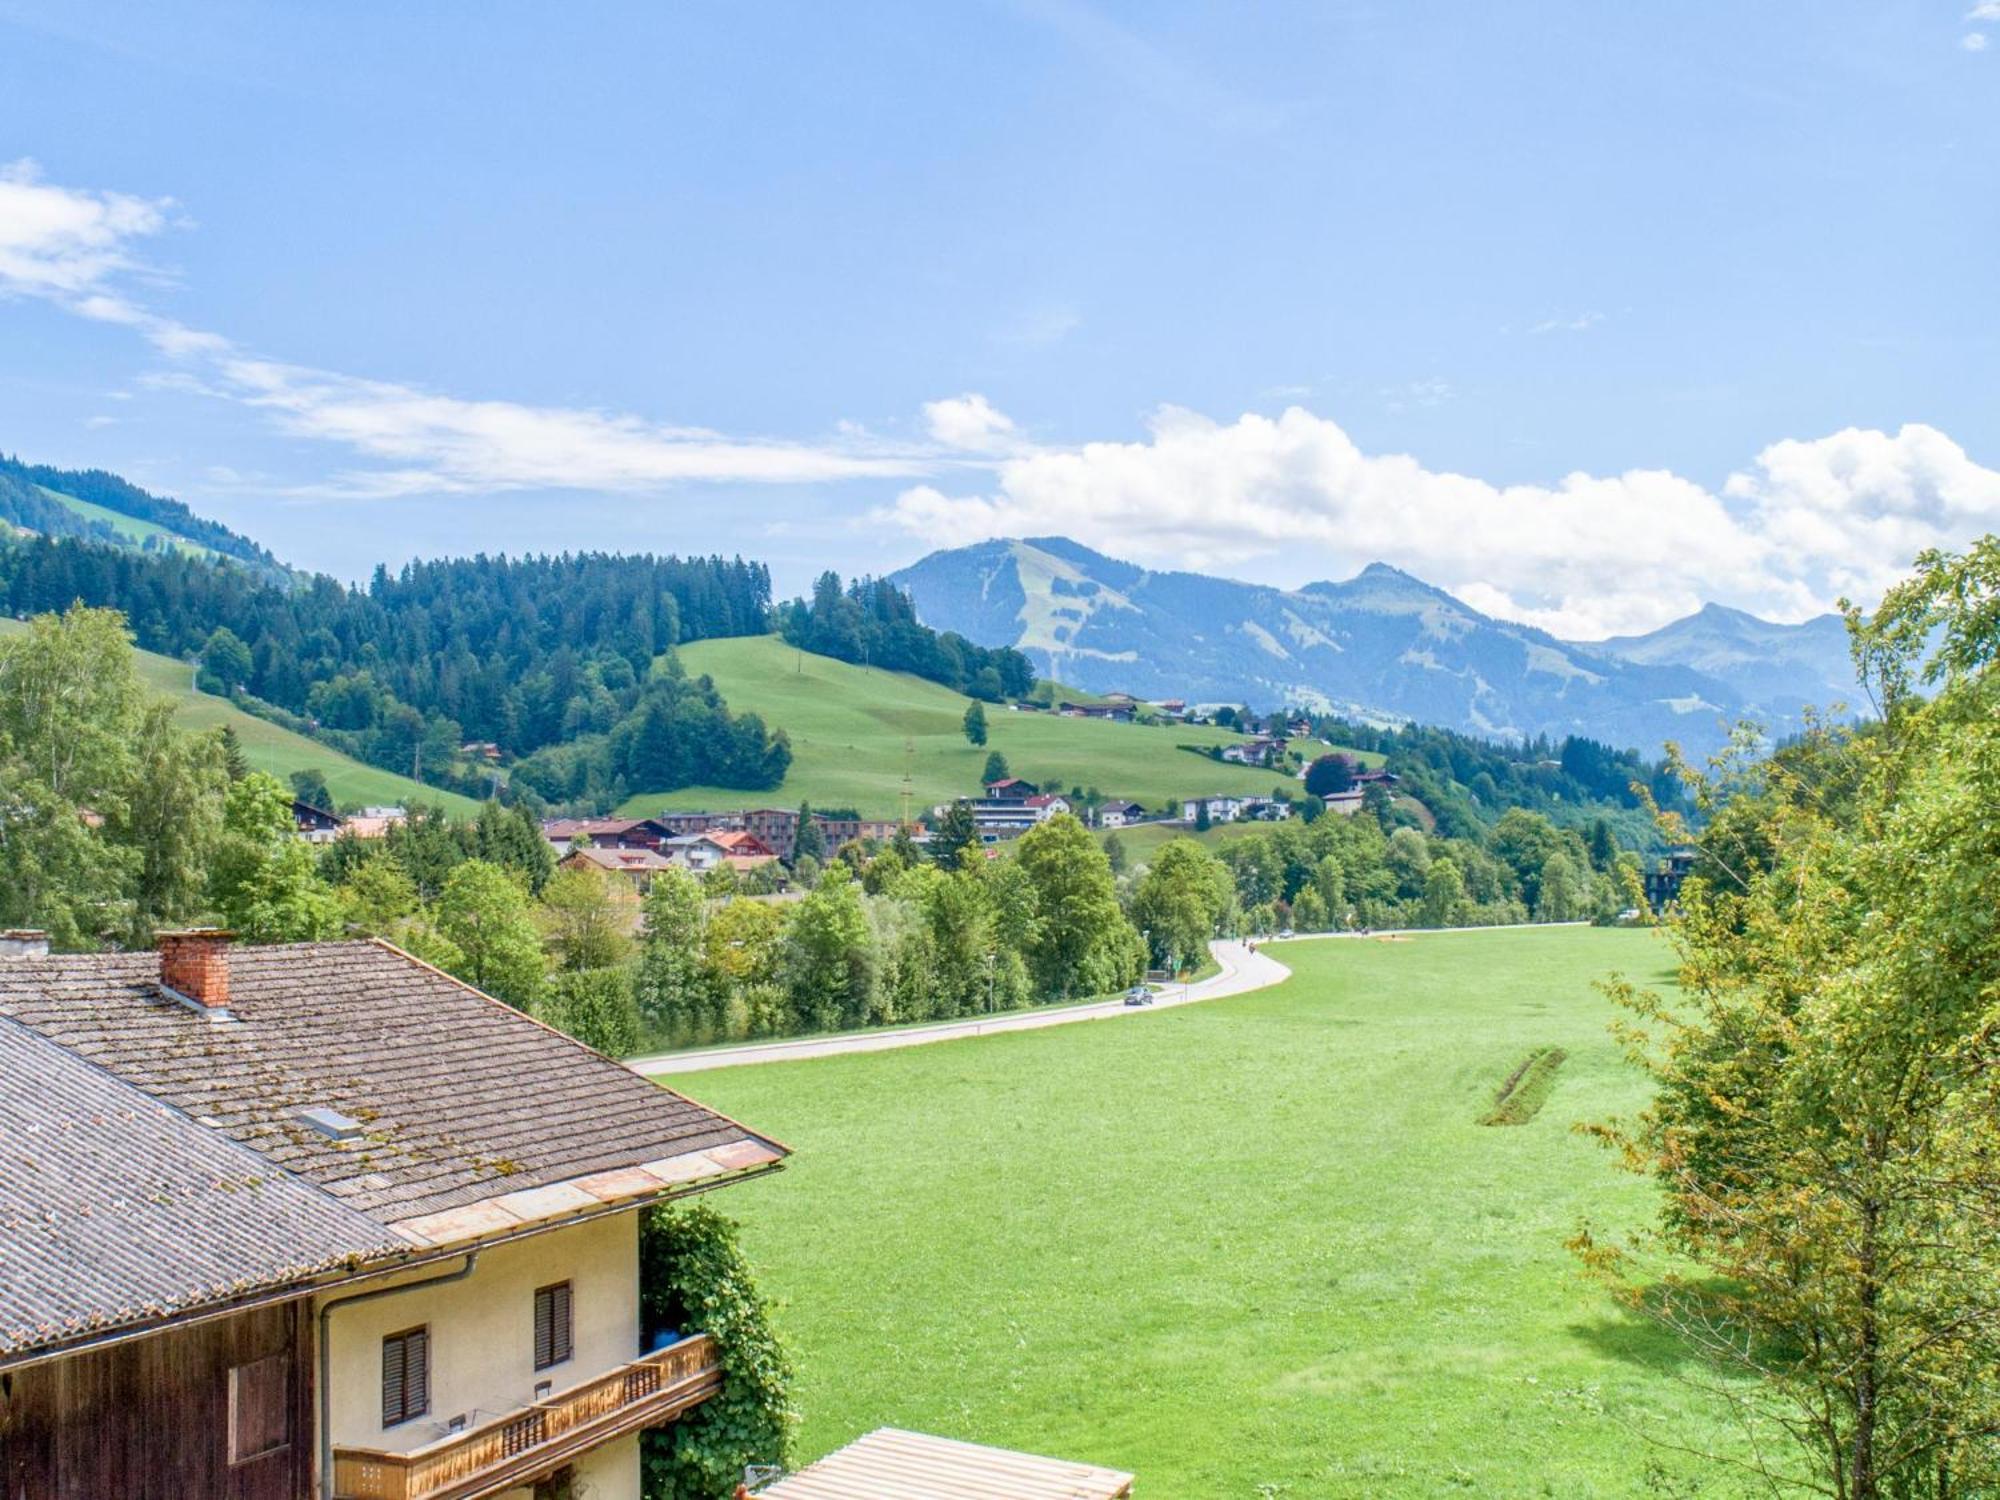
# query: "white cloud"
[970,422]
[60,242]
[1985,10]
[1586,556]
[1574,323]
[1805,521]
[1974,41]
[77,248]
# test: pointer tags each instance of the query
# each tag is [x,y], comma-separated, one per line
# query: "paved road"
[1242,971]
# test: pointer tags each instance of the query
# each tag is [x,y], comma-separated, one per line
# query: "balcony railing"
[521,1446]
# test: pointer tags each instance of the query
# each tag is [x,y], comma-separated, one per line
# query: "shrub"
[594,1006]
[693,1276]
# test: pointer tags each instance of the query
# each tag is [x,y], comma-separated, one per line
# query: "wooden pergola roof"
[889,1464]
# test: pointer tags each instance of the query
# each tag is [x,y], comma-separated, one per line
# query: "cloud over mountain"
[1588,555]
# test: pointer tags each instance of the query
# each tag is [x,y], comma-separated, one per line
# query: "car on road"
[1287,933]
[1138,995]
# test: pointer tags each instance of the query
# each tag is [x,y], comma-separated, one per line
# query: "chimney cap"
[219,934]
[24,942]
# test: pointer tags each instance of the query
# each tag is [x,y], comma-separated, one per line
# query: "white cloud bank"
[1803,523]
[1591,555]
[76,247]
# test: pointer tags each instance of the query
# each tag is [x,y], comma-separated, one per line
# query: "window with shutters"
[552,1325]
[406,1375]
[259,1408]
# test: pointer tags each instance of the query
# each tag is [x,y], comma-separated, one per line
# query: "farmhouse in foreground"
[317,1220]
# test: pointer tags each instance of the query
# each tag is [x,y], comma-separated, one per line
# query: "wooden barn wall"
[149,1419]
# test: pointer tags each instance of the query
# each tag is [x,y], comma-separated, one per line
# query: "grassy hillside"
[132,528]
[279,751]
[849,726]
[1259,1246]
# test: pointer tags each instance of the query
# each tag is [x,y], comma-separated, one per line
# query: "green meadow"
[1256,1247]
[855,731]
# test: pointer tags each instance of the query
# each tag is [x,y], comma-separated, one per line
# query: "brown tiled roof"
[621,860]
[115,1208]
[461,1098]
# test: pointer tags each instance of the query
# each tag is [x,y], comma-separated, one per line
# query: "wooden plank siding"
[149,1419]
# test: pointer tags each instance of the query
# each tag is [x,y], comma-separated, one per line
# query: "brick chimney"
[194,964]
[24,942]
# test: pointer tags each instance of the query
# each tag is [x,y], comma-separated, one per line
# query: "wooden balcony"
[524,1445]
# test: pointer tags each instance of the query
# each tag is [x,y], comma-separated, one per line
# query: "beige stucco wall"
[482,1341]
[607,1473]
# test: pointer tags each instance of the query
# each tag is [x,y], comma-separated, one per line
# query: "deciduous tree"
[1082,943]
[484,913]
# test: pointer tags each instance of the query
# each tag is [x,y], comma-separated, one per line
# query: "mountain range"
[1382,646]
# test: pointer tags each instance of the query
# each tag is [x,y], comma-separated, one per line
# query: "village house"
[1264,810]
[1221,809]
[316,825]
[605,833]
[777,828]
[1117,814]
[1001,818]
[1259,751]
[1010,789]
[635,866]
[253,1249]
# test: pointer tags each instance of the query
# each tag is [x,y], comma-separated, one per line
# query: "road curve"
[1241,971]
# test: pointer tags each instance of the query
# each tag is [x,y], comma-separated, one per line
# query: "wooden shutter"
[406,1375]
[552,1325]
[259,1408]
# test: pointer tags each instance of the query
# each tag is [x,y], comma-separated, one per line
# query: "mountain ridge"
[1383,645]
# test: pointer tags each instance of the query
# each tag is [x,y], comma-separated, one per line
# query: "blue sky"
[1586,311]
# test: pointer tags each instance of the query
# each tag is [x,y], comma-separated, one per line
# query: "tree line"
[22,501]
[525,653]
[1468,782]
[874,623]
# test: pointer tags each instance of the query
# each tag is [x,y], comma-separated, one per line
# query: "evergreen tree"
[996,768]
[975,724]
[233,759]
[810,841]
[1603,848]
[955,837]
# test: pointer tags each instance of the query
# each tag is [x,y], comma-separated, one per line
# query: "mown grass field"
[130,527]
[272,748]
[1255,1247]
[849,726]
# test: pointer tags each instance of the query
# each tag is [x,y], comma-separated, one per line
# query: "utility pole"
[909,760]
